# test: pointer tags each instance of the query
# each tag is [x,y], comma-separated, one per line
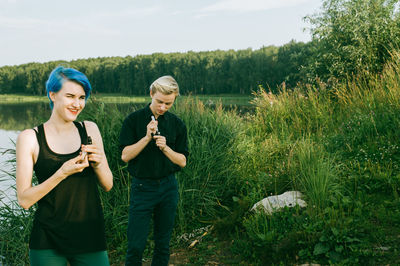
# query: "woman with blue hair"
[69,162]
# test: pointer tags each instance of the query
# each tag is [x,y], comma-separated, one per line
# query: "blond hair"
[165,85]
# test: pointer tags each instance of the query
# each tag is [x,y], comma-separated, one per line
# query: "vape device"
[157,132]
[84,154]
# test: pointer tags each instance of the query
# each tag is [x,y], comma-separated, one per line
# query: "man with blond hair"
[154,144]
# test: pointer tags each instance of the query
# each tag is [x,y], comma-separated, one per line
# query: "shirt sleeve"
[182,141]
[127,135]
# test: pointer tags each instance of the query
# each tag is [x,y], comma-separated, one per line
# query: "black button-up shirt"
[151,163]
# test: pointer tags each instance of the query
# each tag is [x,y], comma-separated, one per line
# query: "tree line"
[212,72]
[348,37]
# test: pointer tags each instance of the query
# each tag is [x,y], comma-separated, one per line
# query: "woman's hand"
[94,155]
[74,165]
[97,157]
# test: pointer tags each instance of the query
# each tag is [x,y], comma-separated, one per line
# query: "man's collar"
[149,113]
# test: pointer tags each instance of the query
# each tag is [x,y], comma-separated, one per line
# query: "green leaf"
[334,256]
[339,249]
[335,232]
[262,237]
[320,248]
[323,238]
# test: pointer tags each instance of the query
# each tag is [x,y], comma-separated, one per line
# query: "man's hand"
[175,157]
[161,141]
[151,128]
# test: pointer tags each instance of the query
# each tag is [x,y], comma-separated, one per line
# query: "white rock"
[273,203]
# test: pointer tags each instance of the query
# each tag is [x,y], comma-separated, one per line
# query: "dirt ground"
[202,254]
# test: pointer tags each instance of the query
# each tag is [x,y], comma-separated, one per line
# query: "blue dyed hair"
[61,74]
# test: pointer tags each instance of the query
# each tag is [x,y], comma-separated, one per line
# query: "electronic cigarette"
[89,141]
[157,132]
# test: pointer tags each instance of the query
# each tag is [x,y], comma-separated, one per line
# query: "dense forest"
[347,37]
[213,72]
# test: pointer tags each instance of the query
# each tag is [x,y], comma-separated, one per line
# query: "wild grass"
[15,223]
[207,184]
[339,146]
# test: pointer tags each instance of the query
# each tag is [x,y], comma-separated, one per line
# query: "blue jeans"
[157,199]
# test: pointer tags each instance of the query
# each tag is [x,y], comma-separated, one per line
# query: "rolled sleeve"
[182,141]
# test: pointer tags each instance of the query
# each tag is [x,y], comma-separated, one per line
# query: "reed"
[207,183]
[15,223]
[316,174]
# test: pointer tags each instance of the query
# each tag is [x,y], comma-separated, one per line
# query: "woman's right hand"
[74,165]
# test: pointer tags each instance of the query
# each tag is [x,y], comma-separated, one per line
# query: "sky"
[49,30]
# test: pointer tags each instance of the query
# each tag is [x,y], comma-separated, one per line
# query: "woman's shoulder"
[28,133]
[27,137]
[89,124]
[91,127]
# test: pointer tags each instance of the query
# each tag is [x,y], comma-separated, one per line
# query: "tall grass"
[292,114]
[316,174]
[207,183]
[15,223]
[339,146]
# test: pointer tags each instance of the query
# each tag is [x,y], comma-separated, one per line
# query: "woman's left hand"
[95,155]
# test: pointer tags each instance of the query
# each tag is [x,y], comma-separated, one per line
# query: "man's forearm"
[131,151]
[175,157]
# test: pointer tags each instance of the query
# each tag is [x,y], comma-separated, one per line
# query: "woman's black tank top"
[70,217]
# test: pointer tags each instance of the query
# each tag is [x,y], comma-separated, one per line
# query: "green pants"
[50,257]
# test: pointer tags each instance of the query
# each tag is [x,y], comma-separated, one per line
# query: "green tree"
[353,36]
[293,57]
